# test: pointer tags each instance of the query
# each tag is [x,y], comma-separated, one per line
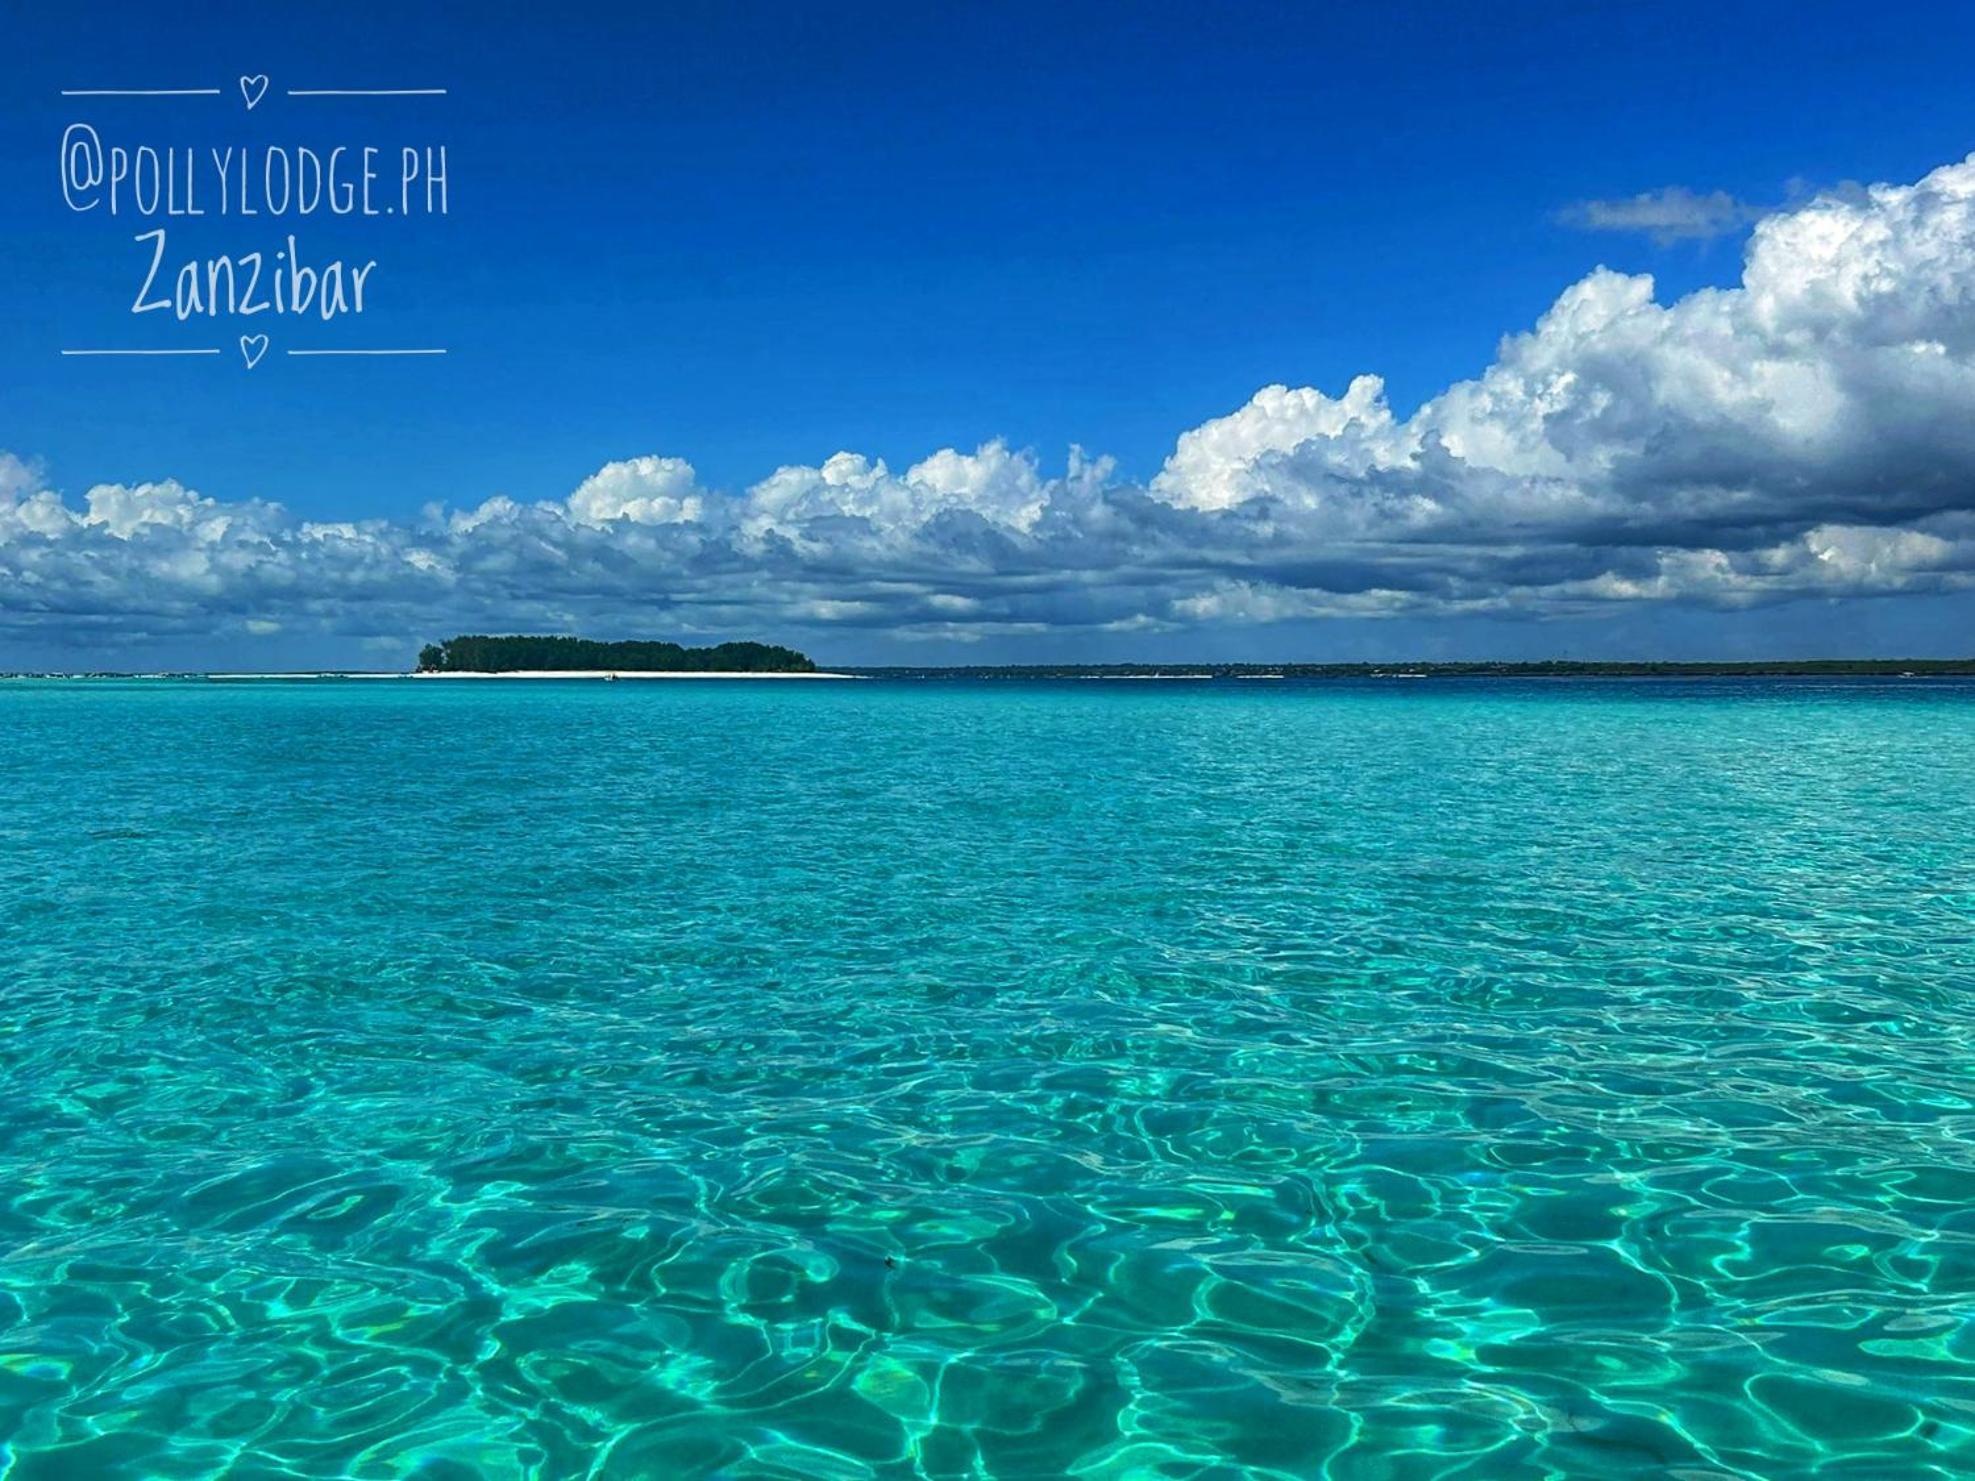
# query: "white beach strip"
[295,674]
[621,674]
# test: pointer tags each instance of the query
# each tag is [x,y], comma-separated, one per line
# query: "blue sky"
[755,236]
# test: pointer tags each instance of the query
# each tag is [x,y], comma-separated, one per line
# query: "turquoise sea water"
[987,1080]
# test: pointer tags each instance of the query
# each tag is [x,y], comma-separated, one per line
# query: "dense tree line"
[485,655]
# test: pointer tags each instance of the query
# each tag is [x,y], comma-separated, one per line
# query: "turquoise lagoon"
[1090,1080]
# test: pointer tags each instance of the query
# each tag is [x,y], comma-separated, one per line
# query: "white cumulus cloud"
[1808,432]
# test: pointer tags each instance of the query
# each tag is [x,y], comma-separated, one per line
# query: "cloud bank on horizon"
[1809,433]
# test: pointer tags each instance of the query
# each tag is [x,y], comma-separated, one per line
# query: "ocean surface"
[987,1080]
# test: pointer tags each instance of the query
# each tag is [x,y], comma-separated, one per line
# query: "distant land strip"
[735,658]
[1545,669]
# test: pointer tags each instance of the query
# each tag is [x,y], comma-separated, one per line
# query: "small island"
[518,657]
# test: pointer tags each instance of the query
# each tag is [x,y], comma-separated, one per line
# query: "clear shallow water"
[1088,1080]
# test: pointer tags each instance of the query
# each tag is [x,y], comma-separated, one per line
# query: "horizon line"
[1957,667]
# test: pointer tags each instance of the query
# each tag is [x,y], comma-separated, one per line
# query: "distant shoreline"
[1805,668]
[1824,668]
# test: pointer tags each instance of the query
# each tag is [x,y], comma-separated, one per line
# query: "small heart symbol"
[251,88]
[252,347]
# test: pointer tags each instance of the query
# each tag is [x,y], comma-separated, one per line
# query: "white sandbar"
[619,674]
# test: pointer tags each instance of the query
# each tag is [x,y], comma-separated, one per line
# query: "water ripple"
[995,1081]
